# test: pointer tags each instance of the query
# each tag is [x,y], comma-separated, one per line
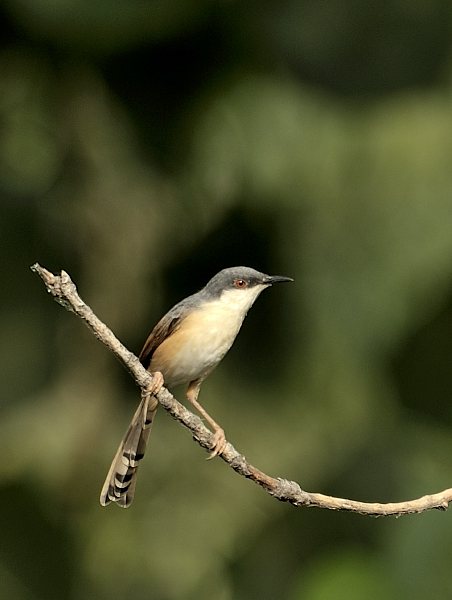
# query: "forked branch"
[64,291]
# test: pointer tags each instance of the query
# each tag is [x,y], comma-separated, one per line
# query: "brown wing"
[164,328]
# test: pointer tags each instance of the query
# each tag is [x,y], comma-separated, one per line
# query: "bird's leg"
[153,389]
[219,442]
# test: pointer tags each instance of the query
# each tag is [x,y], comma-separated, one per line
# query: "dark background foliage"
[144,145]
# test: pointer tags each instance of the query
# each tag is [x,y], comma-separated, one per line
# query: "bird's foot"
[219,443]
[157,383]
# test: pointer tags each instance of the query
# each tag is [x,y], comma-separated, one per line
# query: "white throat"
[240,300]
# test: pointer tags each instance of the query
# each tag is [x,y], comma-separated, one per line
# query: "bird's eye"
[240,283]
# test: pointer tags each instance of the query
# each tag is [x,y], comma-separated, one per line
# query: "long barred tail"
[121,480]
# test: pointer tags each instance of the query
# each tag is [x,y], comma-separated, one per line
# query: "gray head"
[240,279]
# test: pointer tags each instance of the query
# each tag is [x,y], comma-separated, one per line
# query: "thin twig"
[65,292]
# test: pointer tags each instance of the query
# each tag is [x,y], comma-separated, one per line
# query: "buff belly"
[196,348]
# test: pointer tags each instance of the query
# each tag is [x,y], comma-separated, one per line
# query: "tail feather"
[121,479]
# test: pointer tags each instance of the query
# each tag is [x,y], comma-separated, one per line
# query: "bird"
[184,348]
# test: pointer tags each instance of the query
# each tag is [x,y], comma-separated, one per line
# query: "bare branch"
[65,292]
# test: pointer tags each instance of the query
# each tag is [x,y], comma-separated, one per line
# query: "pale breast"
[195,349]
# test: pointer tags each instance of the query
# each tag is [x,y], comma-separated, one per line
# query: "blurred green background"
[144,145]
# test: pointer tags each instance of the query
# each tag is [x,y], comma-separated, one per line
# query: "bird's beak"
[271,279]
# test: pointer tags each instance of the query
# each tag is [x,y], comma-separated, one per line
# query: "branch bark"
[65,292]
